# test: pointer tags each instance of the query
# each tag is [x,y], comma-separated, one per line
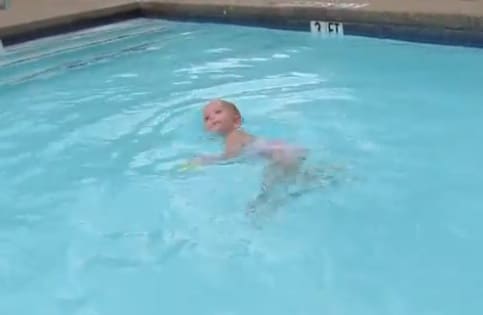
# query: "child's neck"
[233,133]
[237,135]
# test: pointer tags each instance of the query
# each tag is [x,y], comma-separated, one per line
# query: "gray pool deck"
[25,16]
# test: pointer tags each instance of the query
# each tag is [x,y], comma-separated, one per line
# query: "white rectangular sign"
[335,29]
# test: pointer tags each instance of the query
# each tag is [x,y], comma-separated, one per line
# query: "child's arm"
[232,150]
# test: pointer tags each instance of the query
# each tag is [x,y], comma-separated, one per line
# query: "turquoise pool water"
[95,219]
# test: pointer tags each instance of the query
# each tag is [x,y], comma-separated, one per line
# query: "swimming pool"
[96,218]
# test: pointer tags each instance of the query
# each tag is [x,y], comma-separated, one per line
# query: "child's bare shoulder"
[240,137]
[237,141]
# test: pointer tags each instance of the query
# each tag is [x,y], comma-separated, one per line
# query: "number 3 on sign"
[327,28]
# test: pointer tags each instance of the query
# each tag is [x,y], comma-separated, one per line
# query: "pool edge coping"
[67,23]
[438,28]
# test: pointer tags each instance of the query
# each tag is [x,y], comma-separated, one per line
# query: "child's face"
[220,118]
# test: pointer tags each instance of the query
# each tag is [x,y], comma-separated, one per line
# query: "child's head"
[221,117]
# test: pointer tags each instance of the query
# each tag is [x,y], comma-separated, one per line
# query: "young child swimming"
[223,118]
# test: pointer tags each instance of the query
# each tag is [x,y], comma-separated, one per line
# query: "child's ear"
[238,121]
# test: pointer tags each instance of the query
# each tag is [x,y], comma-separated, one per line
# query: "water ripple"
[92,192]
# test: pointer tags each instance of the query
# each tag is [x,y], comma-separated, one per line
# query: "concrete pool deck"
[456,19]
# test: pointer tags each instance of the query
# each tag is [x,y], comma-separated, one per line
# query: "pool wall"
[453,22]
